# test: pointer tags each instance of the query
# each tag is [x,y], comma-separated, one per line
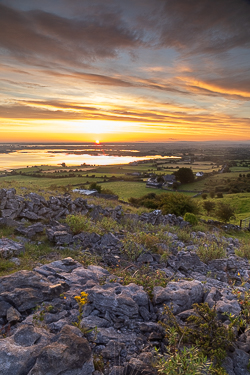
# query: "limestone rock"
[9,248]
[182,295]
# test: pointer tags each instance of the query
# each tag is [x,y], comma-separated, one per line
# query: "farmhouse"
[169,179]
[153,183]
[199,174]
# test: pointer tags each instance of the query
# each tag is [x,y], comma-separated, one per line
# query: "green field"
[128,189]
[43,182]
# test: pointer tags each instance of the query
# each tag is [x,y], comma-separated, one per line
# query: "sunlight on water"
[24,158]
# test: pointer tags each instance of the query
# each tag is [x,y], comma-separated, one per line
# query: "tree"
[209,206]
[160,179]
[184,175]
[225,212]
[212,194]
[204,196]
[94,186]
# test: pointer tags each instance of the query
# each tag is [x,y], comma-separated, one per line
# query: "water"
[24,158]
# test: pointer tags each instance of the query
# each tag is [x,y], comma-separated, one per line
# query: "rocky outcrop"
[119,322]
[41,331]
[34,207]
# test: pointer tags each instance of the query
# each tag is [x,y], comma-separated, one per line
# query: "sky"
[115,70]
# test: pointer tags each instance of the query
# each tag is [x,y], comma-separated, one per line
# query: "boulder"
[68,355]
[181,295]
[9,248]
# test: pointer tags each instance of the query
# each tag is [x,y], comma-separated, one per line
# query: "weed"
[244,301]
[208,333]
[144,276]
[81,300]
[210,251]
[188,361]
[243,251]
[98,362]
[38,317]
[107,224]
[79,223]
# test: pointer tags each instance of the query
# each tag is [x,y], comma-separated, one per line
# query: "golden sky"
[124,71]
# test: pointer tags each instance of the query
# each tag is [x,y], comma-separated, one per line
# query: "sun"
[97,142]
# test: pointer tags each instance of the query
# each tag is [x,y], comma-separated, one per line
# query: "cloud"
[98,79]
[158,119]
[202,26]
[37,33]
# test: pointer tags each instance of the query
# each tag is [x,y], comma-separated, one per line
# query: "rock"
[27,335]
[240,362]
[227,364]
[118,299]
[9,248]
[218,265]
[7,222]
[18,357]
[13,315]
[86,239]
[4,306]
[224,301]
[243,342]
[112,350]
[109,240]
[182,295]
[186,262]
[29,215]
[145,258]
[117,370]
[70,352]
[104,335]
[16,261]
[135,366]
[27,289]
[30,231]
[59,235]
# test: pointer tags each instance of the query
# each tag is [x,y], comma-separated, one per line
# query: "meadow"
[122,181]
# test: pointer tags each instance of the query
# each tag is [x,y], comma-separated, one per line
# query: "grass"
[43,182]
[145,277]
[240,201]
[210,251]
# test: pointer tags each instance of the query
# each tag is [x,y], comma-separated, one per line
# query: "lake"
[24,158]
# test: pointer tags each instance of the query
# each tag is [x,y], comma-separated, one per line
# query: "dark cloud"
[98,79]
[23,84]
[201,26]
[50,36]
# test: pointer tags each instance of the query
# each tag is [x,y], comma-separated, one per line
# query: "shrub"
[208,332]
[212,194]
[208,206]
[177,203]
[225,212]
[191,218]
[94,186]
[183,362]
[78,223]
[210,337]
[219,195]
[204,196]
